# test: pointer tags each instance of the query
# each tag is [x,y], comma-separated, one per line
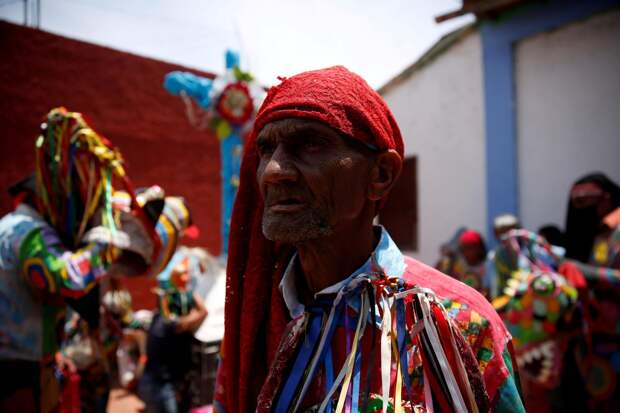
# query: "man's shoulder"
[451,291]
[423,275]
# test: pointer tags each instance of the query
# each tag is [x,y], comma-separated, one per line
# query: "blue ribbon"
[329,374]
[355,394]
[307,348]
[401,329]
[301,362]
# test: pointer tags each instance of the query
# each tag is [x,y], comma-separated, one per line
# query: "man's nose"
[280,167]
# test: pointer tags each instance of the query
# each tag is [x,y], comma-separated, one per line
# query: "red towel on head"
[255,311]
[337,97]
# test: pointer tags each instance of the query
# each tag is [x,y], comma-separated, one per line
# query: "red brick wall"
[123,96]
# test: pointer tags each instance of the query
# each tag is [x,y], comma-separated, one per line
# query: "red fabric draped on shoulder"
[255,312]
[447,287]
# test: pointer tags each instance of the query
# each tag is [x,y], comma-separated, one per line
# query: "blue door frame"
[498,40]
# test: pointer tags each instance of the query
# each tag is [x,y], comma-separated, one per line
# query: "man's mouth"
[285,204]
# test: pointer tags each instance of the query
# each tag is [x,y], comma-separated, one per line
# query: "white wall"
[568,113]
[440,113]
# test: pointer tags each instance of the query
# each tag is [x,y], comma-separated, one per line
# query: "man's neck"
[332,259]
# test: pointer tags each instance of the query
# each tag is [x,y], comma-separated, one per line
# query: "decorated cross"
[226,106]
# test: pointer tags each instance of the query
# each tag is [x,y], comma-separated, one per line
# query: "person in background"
[448,250]
[504,223]
[538,306]
[82,349]
[64,236]
[468,263]
[553,235]
[55,246]
[606,250]
[164,387]
[118,304]
[496,275]
[591,220]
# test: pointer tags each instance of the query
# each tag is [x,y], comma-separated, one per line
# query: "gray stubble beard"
[306,226]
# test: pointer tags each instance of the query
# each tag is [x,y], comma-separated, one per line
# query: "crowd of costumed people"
[558,293]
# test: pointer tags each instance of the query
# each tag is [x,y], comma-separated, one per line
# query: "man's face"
[313,181]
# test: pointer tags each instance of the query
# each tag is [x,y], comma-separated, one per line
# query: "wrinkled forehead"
[295,127]
[302,128]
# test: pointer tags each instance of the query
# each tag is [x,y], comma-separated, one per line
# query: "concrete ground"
[123,401]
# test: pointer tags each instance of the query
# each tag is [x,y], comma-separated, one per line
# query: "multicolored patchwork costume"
[564,319]
[37,269]
[60,241]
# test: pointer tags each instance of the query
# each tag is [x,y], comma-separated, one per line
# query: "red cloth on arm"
[255,312]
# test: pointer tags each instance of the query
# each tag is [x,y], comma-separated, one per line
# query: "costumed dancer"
[96,344]
[61,239]
[323,312]
[563,317]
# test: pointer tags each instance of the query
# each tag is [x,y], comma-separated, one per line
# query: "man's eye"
[264,148]
[311,144]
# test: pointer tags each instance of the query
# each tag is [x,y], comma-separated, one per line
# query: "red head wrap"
[255,312]
[470,237]
[338,98]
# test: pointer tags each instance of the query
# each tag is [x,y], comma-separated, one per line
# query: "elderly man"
[323,312]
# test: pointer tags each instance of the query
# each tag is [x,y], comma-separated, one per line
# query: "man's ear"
[384,173]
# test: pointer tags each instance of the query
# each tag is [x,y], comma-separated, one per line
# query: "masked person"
[61,239]
[592,221]
[323,311]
